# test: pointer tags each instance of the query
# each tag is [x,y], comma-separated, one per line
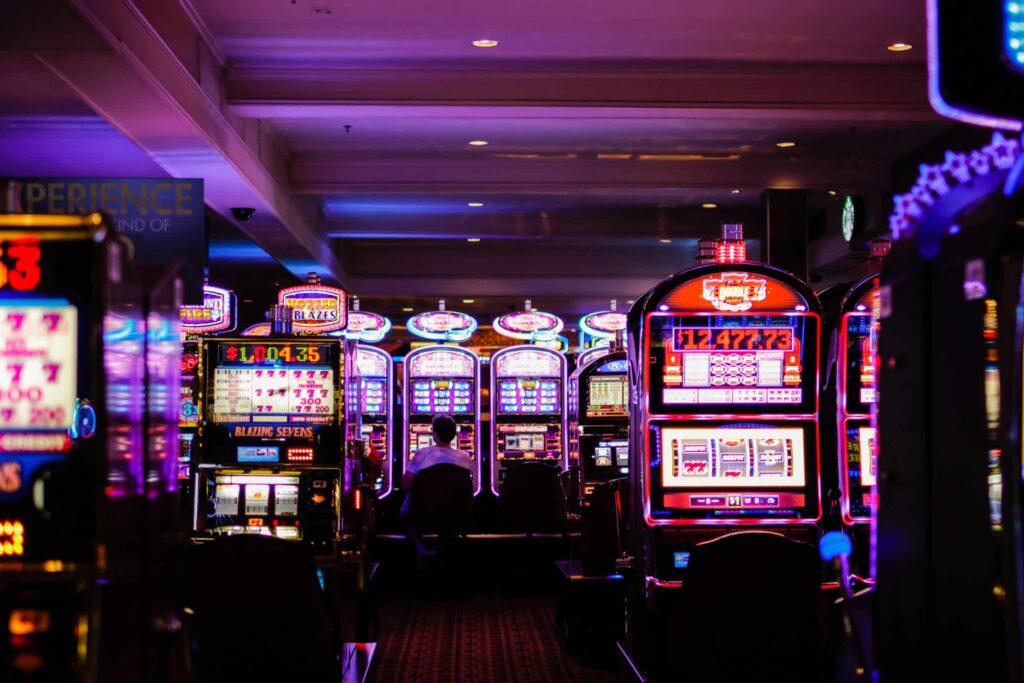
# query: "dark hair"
[444,428]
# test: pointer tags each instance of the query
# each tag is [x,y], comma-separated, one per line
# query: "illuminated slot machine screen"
[529,396]
[861,364]
[430,396]
[729,364]
[723,470]
[611,453]
[861,468]
[607,396]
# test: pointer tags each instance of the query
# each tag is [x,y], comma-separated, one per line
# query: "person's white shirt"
[437,455]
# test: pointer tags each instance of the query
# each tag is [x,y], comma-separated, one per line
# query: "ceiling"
[347,126]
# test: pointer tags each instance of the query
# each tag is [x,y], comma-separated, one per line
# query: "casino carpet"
[478,637]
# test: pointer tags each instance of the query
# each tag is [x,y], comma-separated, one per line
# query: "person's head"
[444,429]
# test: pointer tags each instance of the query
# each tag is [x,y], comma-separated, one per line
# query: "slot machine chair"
[246,630]
[442,500]
[750,611]
[532,500]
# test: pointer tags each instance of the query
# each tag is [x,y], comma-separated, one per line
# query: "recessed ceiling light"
[709,205]
[478,143]
[469,301]
[407,309]
[485,42]
[735,191]
[831,193]
[785,144]
[665,241]
[630,302]
[899,47]
[475,204]
[472,239]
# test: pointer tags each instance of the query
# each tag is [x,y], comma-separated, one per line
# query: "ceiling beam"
[594,176]
[775,91]
[160,86]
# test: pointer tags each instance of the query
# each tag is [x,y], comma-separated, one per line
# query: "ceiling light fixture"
[735,191]
[899,47]
[831,193]
[469,301]
[785,144]
[478,143]
[407,309]
[709,205]
[485,42]
[665,241]
[472,239]
[475,204]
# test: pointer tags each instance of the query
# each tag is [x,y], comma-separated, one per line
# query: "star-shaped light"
[956,166]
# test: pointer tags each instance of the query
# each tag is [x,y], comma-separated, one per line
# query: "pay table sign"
[38,366]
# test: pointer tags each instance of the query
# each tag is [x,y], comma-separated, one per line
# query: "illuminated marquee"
[442,363]
[316,309]
[603,324]
[371,364]
[217,314]
[366,327]
[442,325]
[529,325]
[734,291]
[528,363]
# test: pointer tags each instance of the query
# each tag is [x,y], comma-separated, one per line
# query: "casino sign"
[442,325]
[365,327]
[603,324]
[217,314]
[316,309]
[530,325]
[734,291]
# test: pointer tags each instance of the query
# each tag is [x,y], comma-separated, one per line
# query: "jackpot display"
[599,420]
[376,377]
[442,380]
[528,415]
[273,421]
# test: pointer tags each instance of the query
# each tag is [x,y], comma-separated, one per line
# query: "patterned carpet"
[478,637]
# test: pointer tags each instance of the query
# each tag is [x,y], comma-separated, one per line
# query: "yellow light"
[899,47]
[709,205]
[831,193]
[485,42]
[478,143]
[25,622]
[785,144]
[53,566]
[475,204]
[472,239]
[469,301]
[665,241]
[407,309]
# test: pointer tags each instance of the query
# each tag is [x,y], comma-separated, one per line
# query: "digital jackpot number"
[263,353]
[733,339]
[19,265]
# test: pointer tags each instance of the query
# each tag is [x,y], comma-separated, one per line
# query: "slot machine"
[856,446]
[442,379]
[599,420]
[87,479]
[528,415]
[376,378]
[217,314]
[949,418]
[724,434]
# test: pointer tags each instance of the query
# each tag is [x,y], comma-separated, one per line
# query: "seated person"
[443,430]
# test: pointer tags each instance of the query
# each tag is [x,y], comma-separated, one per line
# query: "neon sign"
[257,330]
[734,291]
[19,265]
[316,309]
[529,325]
[217,314]
[366,327]
[603,324]
[442,325]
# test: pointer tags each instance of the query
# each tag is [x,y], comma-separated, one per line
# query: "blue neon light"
[1013,32]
